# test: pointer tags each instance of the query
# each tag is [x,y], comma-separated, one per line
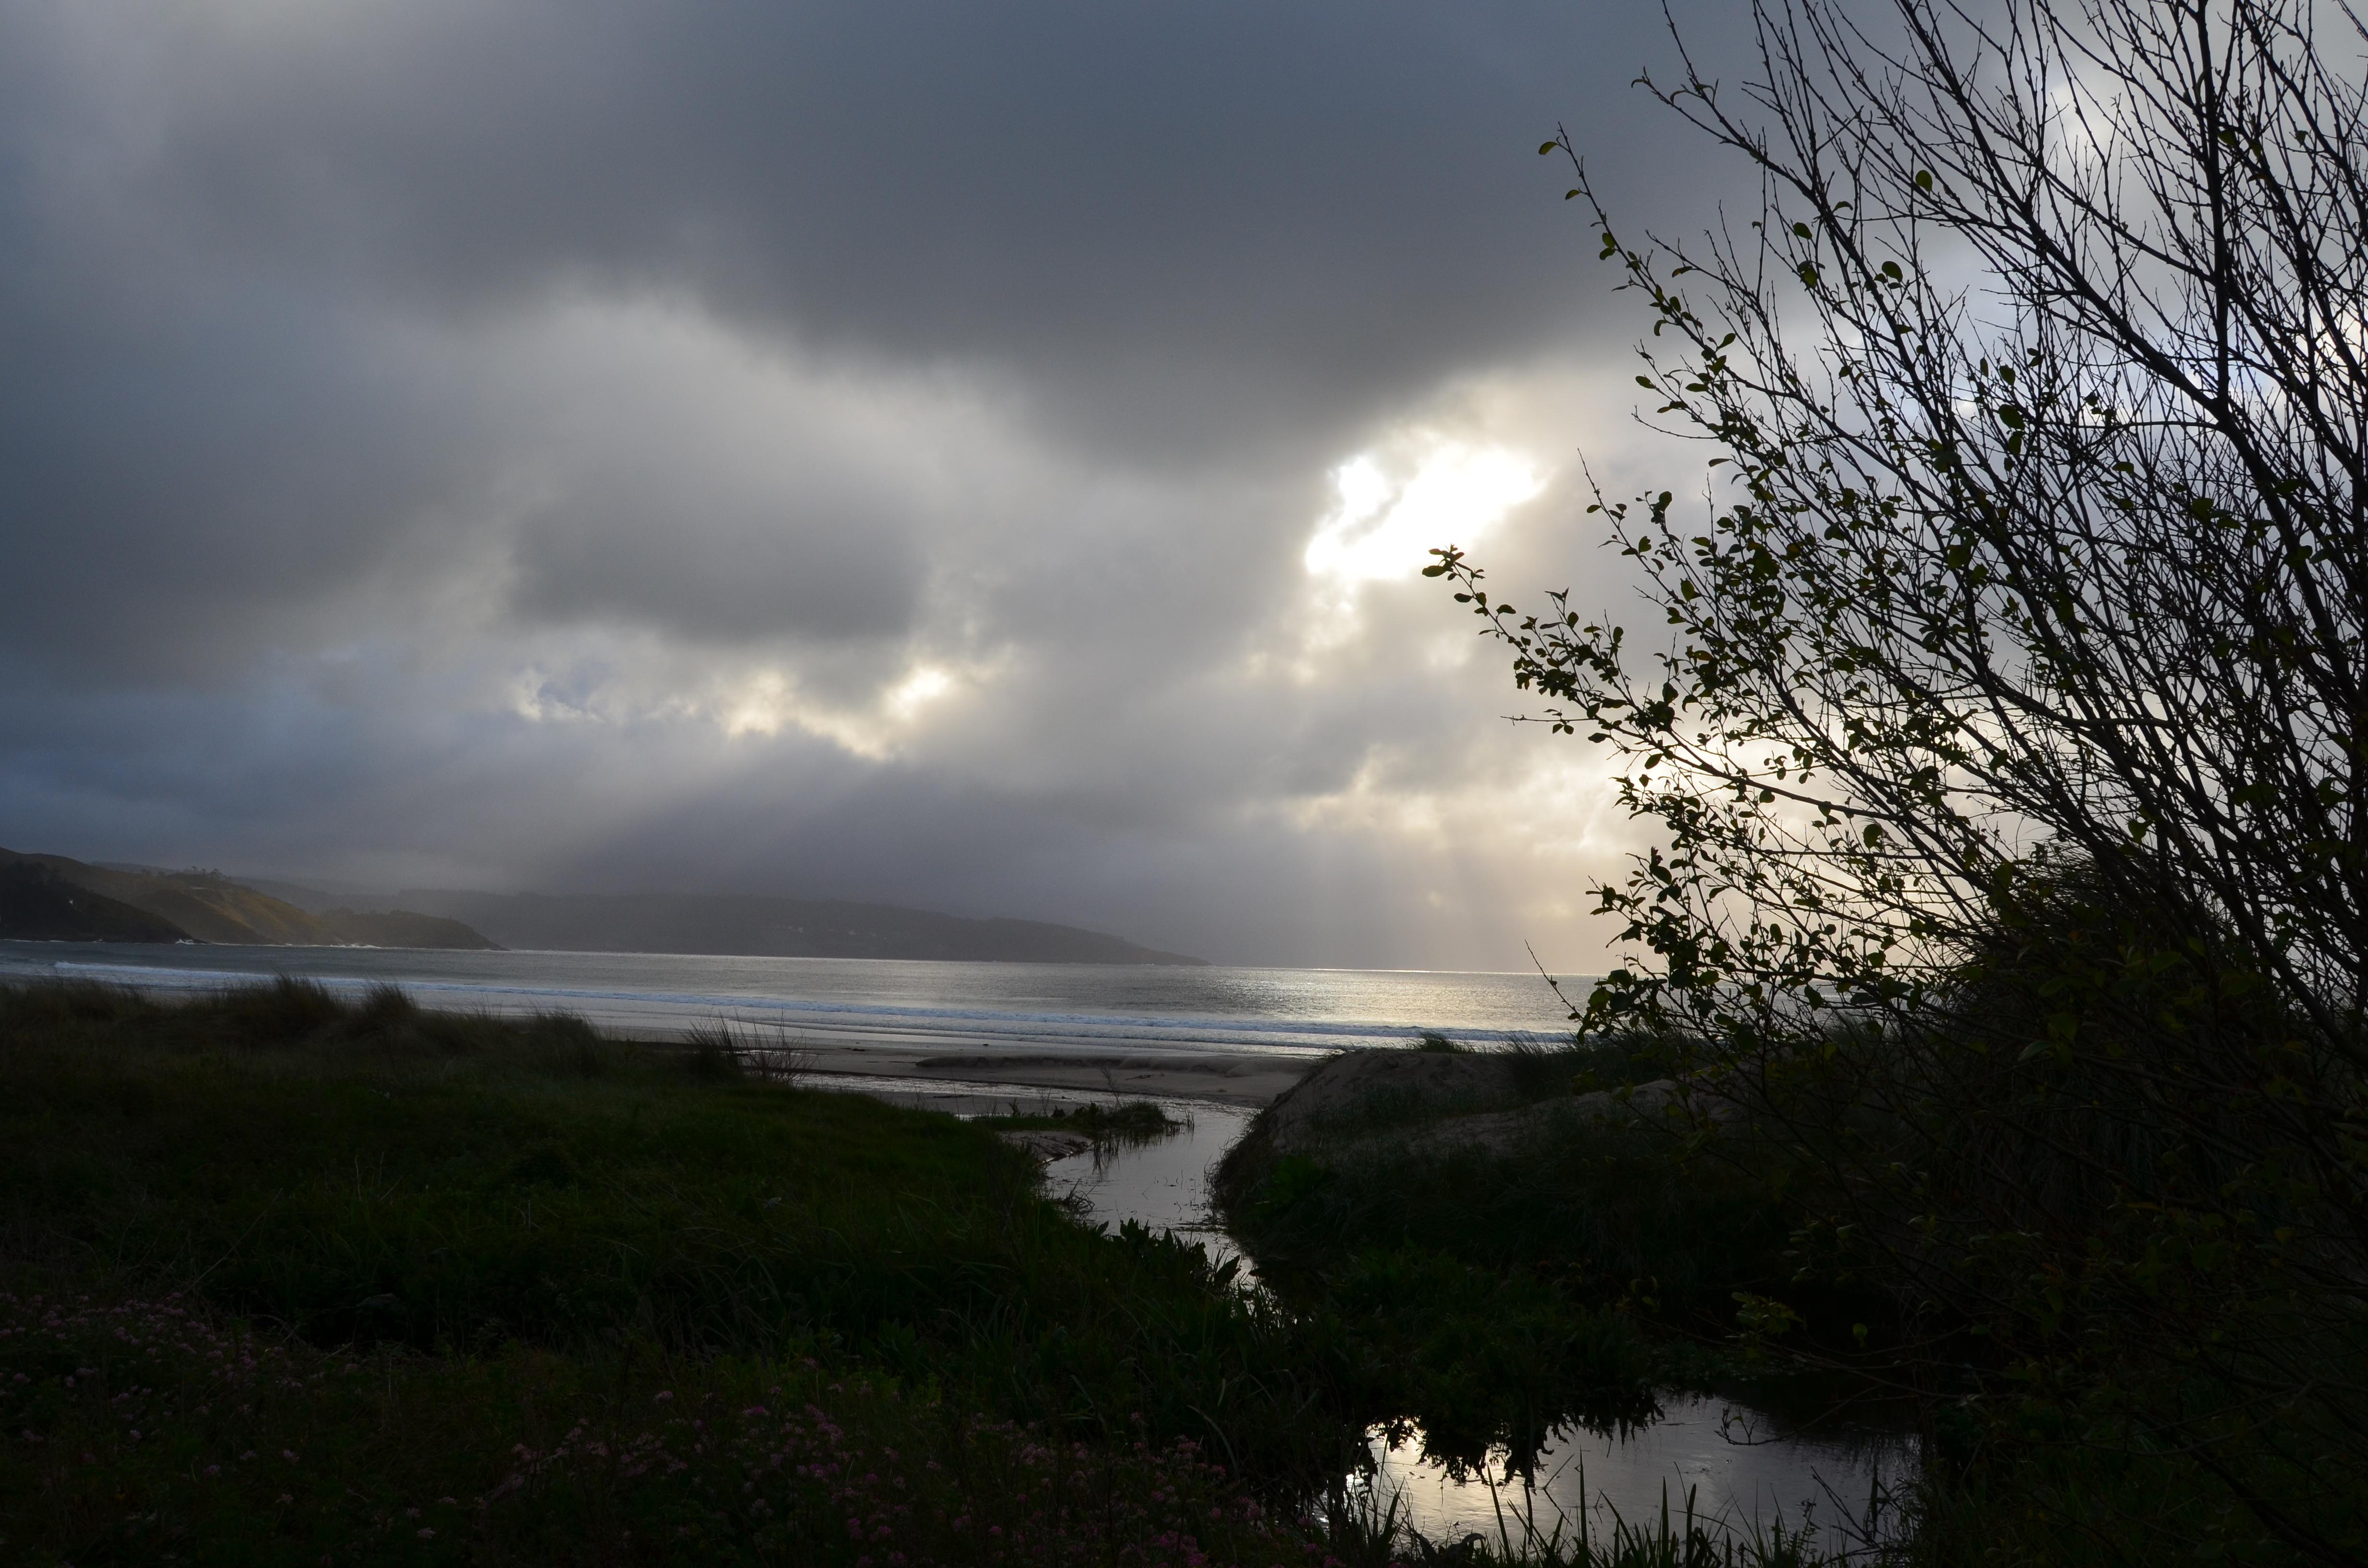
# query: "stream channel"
[1735,1464]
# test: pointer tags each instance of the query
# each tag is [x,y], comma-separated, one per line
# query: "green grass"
[509,1292]
[1600,1261]
[1460,1259]
[1610,1214]
[1134,1122]
[154,1431]
[499,1207]
[381,1173]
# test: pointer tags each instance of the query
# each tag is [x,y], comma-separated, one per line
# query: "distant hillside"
[37,904]
[203,905]
[50,896]
[403,928]
[769,927]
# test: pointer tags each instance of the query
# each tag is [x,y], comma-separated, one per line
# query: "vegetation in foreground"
[151,1430]
[1598,1208]
[1707,1233]
[162,1433]
[1996,729]
[511,1232]
[289,1281]
[1515,1245]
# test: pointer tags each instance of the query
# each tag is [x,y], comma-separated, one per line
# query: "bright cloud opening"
[1393,511]
[912,693]
[773,699]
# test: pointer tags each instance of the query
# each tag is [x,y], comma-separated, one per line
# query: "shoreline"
[1241,1079]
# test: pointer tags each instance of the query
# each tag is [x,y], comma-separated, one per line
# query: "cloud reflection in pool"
[1740,1471]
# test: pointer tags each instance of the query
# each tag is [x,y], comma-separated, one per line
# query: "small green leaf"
[1923,179]
[1802,230]
[1546,147]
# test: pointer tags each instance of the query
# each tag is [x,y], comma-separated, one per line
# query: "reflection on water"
[1162,1185]
[857,1002]
[1740,1466]
[1735,1465]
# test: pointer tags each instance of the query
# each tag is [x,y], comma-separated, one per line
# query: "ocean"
[1086,1008]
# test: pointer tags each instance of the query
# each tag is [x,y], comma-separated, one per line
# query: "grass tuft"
[1134,1122]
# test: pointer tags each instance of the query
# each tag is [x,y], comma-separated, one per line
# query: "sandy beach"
[1231,1078]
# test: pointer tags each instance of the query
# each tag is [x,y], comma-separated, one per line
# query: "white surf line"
[879,1022]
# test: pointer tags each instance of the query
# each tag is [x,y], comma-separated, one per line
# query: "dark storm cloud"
[167,479]
[852,447]
[1302,202]
[663,526]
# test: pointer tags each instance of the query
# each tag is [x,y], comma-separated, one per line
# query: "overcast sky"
[969,456]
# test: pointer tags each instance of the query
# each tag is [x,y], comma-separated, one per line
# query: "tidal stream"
[1737,1465]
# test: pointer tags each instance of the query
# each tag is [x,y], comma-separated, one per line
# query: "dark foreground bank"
[1486,1200]
[289,1281]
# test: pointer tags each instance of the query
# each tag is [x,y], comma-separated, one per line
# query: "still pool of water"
[1732,1466]
[1162,1185]
[1740,1467]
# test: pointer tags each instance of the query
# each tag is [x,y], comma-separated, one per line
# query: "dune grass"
[163,1433]
[1610,1212]
[1130,1121]
[285,1280]
[1605,1258]
[509,1227]
[376,1173]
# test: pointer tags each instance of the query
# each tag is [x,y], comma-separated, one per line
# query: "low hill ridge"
[52,898]
[49,896]
[37,904]
[765,925]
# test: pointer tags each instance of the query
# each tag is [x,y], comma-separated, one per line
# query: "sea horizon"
[961,1003]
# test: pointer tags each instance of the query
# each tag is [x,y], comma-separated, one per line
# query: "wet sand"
[1247,1078]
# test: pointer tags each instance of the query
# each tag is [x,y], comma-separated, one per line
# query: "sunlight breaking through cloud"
[618,449]
[1395,507]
